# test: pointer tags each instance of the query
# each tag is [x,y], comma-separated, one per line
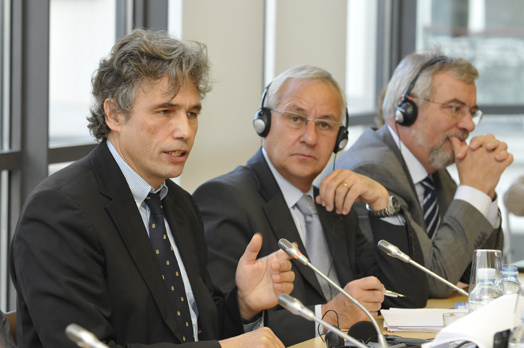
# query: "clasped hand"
[481,163]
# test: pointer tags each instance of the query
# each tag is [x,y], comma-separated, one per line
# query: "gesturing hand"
[260,281]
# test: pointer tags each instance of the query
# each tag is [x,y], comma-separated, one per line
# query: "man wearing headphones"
[430,107]
[300,120]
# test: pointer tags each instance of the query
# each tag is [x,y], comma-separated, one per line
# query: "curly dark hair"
[145,56]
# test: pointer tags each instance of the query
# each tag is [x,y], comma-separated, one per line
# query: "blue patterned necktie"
[169,267]
[430,206]
[316,245]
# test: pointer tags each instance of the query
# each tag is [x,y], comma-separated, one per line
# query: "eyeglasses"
[298,121]
[460,111]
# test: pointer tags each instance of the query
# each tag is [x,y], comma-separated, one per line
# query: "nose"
[181,126]
[466,122]
[310,133]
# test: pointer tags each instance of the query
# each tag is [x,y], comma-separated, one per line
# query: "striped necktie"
[169,266]
[430,206]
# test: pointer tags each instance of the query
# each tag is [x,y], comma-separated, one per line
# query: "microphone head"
[393,251]
[284,244]
[292,250]
[295,306]
[82,337]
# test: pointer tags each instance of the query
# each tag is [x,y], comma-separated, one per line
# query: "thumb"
[252,249]
[460,148]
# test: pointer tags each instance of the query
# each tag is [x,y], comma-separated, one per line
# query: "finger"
[252,249]
[281,266]
[476,142]
[460,148]
[328,187]
[502,156]
[492,144]
[350,199]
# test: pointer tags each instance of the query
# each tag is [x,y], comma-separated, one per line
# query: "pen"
[393,294]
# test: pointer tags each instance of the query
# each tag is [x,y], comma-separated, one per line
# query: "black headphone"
[407,111]
[262,124]
[332,340]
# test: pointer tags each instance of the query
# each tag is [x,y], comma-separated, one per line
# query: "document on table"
[415,320]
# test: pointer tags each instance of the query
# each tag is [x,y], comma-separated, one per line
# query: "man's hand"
[342,188]
[481,164]
[368,291]
[261,338]
[260,281]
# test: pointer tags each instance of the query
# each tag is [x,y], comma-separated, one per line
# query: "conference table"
[432,303]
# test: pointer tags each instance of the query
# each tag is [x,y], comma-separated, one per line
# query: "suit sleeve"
[229,227]
[395,274]
[449,254]
[59,270]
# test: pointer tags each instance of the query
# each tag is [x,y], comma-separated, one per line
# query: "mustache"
[461,135]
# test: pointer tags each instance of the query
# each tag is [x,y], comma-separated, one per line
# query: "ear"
[114,119]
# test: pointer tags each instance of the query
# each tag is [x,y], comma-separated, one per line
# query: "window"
[77,43]
[489,34]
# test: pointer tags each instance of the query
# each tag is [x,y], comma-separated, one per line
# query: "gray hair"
[409,67]
[304,73]
[145,56]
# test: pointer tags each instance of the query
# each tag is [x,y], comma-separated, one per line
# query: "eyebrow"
[172,105]
[300,110]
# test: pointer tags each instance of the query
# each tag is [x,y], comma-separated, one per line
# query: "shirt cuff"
[318,327]
[257,324]
[480,201]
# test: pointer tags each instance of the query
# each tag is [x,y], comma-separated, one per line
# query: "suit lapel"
[128,222]
[333,228]
[405,187]
[445,188]
[278,214]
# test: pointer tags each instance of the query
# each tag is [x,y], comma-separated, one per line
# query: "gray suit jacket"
[248,200]
[463,228]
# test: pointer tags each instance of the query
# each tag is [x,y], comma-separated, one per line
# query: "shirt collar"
[139,187]
[415,168]
[289,191]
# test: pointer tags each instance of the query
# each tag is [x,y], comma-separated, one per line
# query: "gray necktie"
[316,245]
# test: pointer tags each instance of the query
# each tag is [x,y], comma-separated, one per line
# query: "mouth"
[177,153]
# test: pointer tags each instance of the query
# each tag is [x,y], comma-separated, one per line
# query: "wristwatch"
[391,209]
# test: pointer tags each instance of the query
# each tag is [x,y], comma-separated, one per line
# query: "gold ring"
[346,185]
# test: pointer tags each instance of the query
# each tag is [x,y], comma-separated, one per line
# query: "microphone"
[293,251]
[296,307]
[82,337]
[394,251]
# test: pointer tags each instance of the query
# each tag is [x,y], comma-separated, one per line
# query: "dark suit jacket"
[463,228]
[248,200]
[81,255]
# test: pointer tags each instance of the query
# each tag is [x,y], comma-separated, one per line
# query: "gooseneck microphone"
[296,307]
[293,251]
[82,337]
[394,251]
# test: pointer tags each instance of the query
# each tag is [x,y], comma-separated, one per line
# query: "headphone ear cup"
[342,139]
[262,121]
[406,113]
[332,340]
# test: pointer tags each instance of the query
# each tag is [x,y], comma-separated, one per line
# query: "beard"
[439,156]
